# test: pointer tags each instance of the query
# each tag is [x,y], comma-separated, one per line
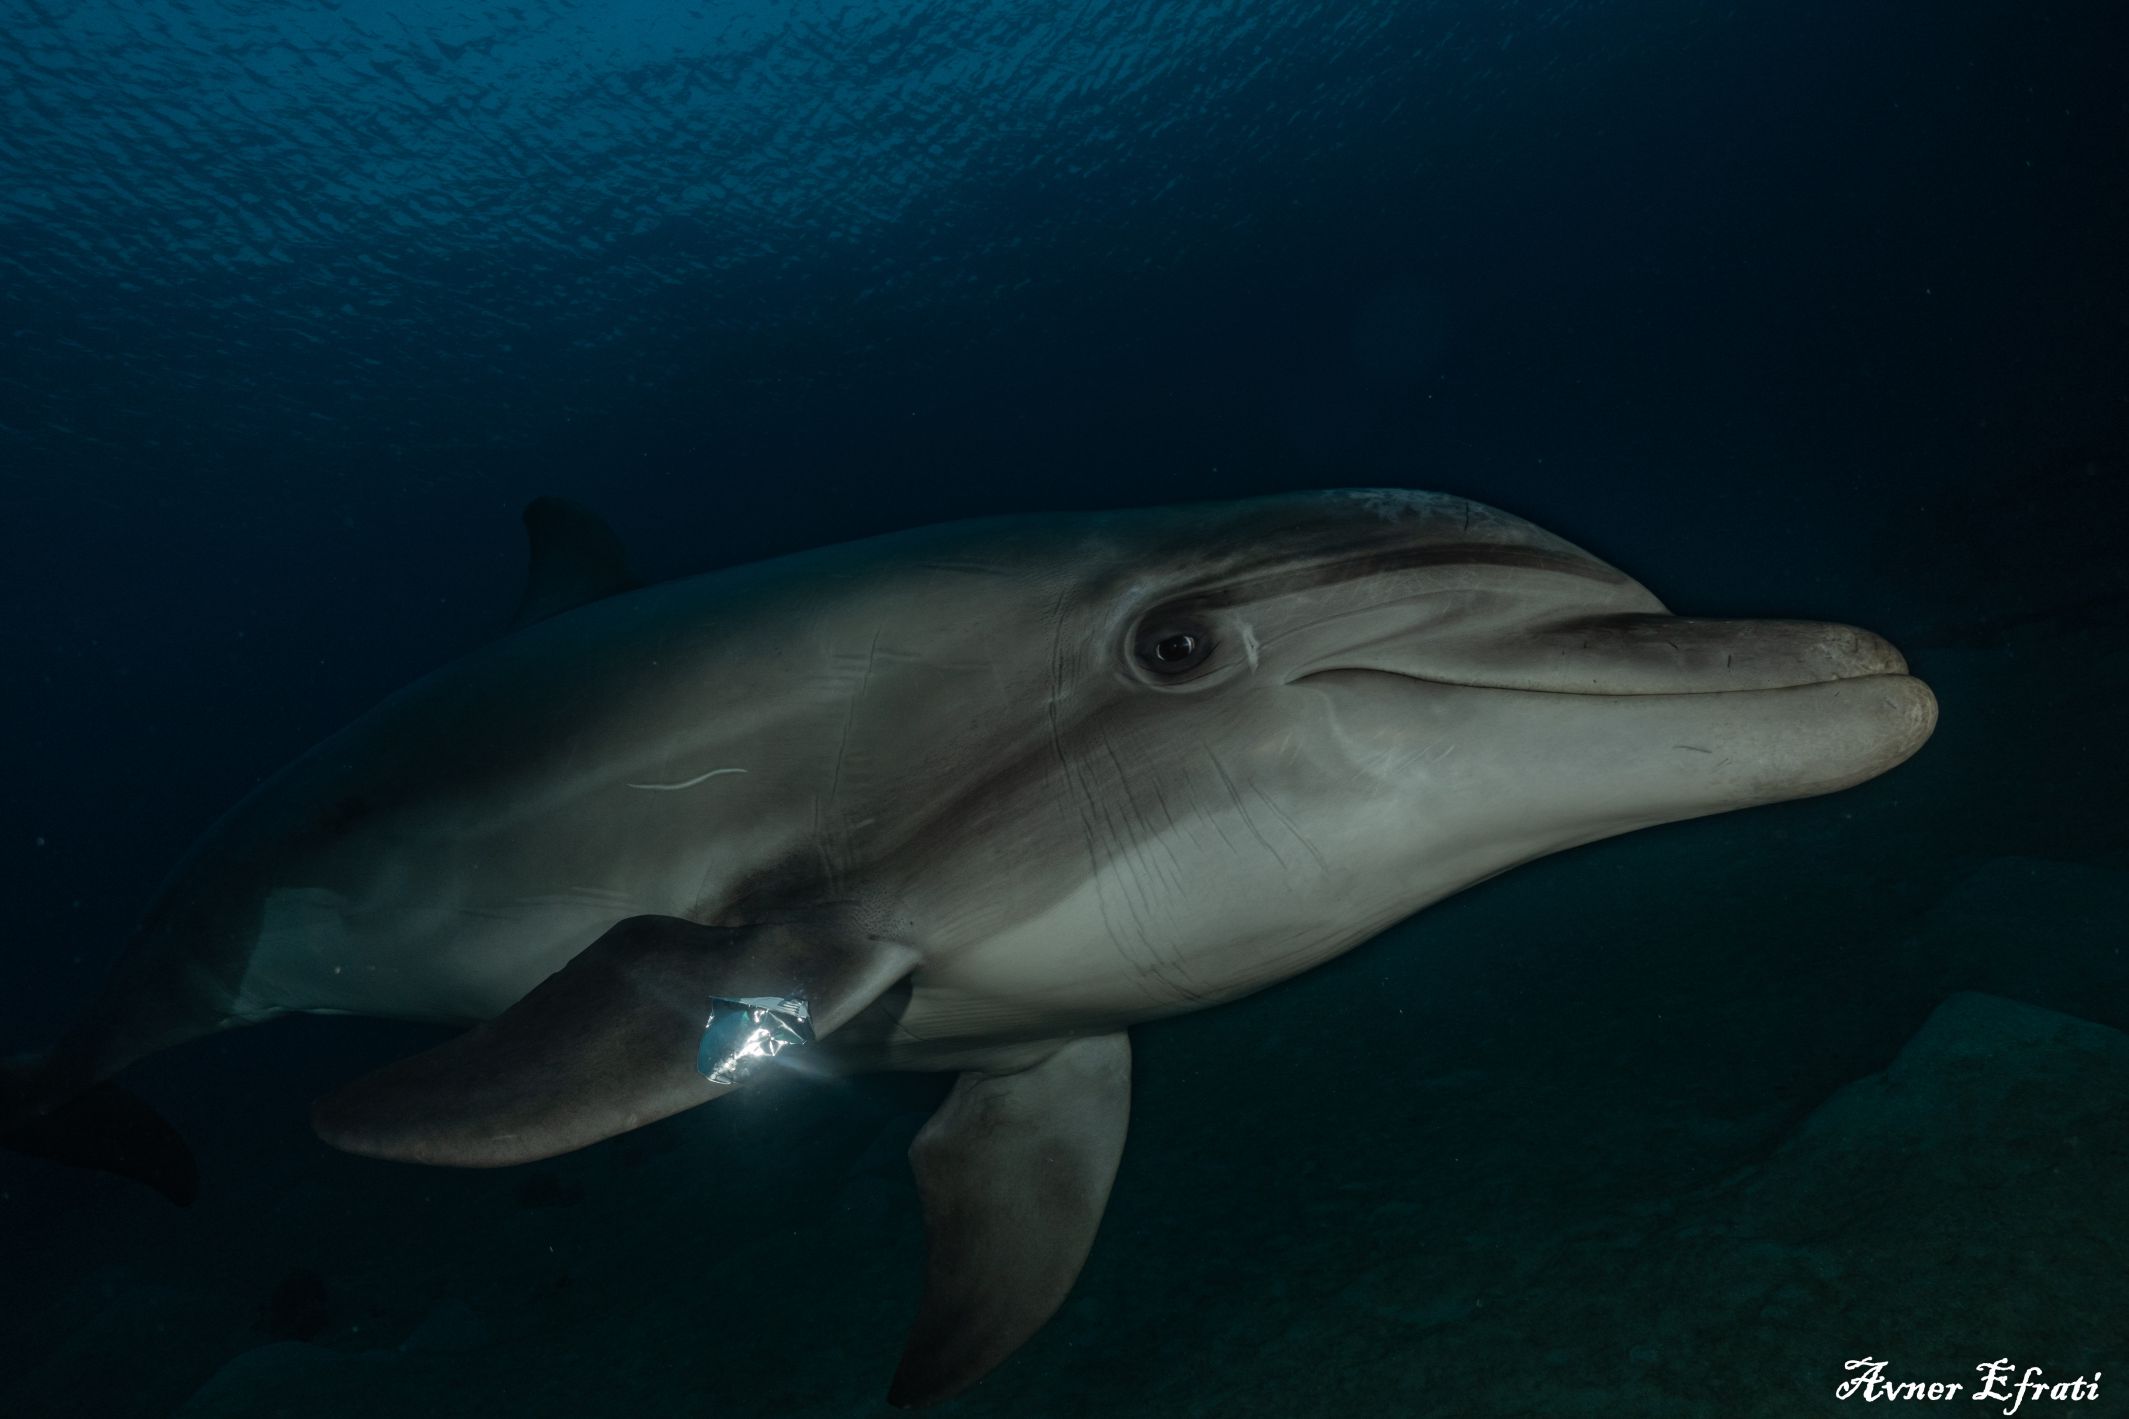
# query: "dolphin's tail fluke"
[63,1106]
[45,1113]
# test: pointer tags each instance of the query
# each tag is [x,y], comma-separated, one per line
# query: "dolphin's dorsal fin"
[576,559]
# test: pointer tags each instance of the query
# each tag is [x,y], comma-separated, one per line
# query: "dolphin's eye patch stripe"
[1246,588]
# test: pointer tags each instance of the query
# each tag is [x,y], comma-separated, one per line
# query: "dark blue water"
[1801,309]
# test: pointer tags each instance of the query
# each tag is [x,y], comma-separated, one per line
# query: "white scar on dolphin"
[1145,762]
[688,783]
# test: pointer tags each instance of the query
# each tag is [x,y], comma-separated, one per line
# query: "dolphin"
[973,798]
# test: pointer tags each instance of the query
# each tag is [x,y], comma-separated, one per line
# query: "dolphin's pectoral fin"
[575,559]
[1014,1170]
[606,1044]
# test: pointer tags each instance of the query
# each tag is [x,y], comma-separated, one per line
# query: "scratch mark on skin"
[1142,840]
[1694,747]
[1218,826]
[1291,827]
[688,783]
[1234,794]
[850,710]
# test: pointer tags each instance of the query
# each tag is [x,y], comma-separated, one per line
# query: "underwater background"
[1787,309]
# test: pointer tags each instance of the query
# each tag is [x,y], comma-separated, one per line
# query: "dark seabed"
[1799,309]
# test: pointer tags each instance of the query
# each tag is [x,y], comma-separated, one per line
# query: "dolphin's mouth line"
[1594,694]
[1628,656]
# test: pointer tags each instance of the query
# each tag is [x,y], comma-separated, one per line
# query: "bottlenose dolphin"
[973,798]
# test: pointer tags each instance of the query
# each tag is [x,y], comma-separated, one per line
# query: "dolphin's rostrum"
[981,796]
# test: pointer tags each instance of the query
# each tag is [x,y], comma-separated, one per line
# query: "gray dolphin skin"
[979,797]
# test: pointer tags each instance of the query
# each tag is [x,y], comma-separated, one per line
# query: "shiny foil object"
[743,1034]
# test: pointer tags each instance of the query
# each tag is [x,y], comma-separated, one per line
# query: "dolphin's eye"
[1172,649]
